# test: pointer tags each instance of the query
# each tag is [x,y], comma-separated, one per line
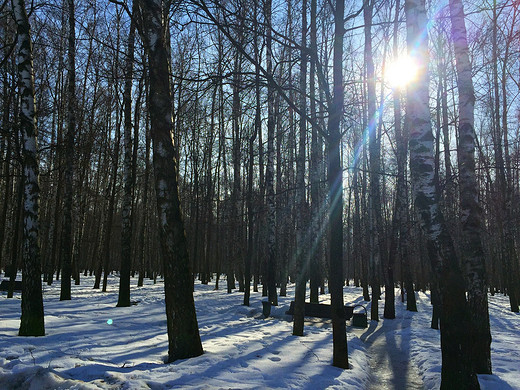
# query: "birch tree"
[457,372]
[471,210]
[183,333]
[31,321]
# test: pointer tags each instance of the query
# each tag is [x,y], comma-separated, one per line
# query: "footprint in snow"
[274,359]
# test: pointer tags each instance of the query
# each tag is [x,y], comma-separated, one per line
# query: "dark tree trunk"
[250,216]
[128,179]
[107,228]
[316,156]
[66,227]
[141,246]
[335,183]
[8,188]
[269,176]
[236,250]
[183,333]
[302,249]
[7,147]
[435,300]
[375,220]
[15,244]
[400,197]
[257,130]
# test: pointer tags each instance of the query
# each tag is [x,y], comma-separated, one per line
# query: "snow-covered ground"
[410,334]
[91,344]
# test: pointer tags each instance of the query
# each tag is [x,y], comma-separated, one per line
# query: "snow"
[423,343]
[92,344]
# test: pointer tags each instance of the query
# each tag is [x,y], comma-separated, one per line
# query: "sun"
[401,72]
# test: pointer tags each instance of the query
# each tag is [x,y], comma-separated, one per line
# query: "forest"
[270,149]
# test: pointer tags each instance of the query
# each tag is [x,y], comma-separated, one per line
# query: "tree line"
[276,128]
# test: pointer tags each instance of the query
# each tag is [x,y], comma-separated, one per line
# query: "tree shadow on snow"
[287,372]
[493,382]
[396,347]
[91,372]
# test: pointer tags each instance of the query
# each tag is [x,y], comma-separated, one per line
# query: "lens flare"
[109,321]
[401,72]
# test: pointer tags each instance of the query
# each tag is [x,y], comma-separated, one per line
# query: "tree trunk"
[111,190]
[256,132]
[139,253]
[335,183]
[66,228]
[236,251]
[269,176]
[145,222]
[250,211]
[375,220]
[471,210]
[15,244]
[8,188]
[183,333]
[456,362]
[400,196]
[316,157]
[128,179]
[302,249]
[31,321]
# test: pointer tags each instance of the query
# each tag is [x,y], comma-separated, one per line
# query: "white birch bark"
[471,211]
[32,319]
[456,363]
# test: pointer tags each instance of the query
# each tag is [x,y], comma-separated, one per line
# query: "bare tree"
[302,249]
[315,164]
[269,175]
[457,369]
[375,220]
[471,210]
[32,320]
[335,183]
[66,234]
[126,220]
[183,333]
